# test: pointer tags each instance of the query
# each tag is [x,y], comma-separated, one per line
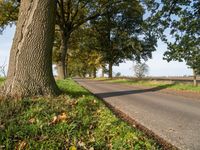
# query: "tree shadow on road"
[121,93]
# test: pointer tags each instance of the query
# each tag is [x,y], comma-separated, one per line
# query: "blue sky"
[157,66]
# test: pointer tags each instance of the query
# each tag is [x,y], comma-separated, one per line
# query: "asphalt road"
[174,118]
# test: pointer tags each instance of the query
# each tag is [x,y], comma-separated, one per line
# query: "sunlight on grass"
[154,83]
[75,119]
[1,80]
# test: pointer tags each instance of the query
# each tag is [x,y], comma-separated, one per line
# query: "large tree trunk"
[90,74]
[94,72]
[62,64]
[194,78]
[30,66]
[110,74]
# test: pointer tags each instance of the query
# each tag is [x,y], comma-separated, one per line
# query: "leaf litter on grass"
[70,121]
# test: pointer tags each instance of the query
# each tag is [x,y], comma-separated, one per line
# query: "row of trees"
[114,30]
[180,18]
[107,31]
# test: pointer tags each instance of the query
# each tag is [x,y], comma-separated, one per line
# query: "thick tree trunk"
[94,72]
[90,74]
[110,74]
[194,78]
[84,75]
[30,66]
[62,73]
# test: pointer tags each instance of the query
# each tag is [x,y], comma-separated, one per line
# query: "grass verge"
[1,80]
[158,84]
[74,120]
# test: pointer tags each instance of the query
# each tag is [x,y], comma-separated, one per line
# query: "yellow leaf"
[32,120]
[21,145]
[72,148]
[2,126]
[62,117]
[94,101]
[54,120]
[81,144]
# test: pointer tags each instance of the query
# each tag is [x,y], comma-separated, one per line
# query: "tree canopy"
[181,20]
[8,13]
[185,22]
[71,14]
[122,34]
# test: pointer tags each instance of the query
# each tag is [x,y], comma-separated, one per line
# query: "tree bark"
[110,74]
[62,73]
[194,78]
[94,72]
[30,65]
[90,74]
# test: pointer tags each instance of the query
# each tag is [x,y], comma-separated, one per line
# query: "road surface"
[174,118]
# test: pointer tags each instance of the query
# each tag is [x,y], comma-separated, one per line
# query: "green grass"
[1,80]
[74,120]
[157,84]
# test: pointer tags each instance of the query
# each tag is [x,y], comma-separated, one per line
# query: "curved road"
[174,118]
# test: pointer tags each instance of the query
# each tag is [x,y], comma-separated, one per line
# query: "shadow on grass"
[121,93]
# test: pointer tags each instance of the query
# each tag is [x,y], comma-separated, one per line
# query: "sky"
[157,66]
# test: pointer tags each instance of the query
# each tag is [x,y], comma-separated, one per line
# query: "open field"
[164,84]
[74,120]
[174,79]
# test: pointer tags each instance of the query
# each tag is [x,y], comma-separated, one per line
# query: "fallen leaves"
[32,120]
[91,148]
[2,126]
[94,101]
[21,145]
[82,144]
[86,124]
[72,148]
[73,103]
[59,118]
